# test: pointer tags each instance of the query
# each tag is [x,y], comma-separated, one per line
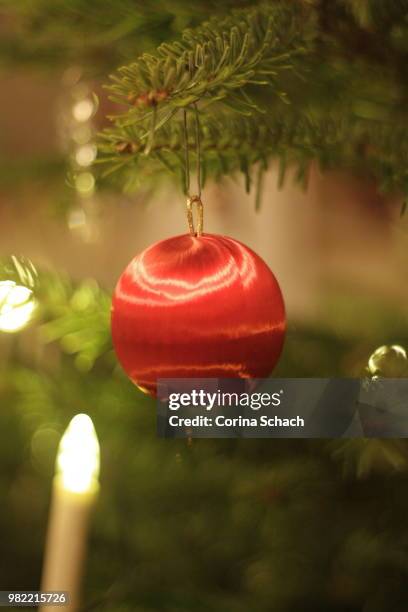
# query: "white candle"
[75,489]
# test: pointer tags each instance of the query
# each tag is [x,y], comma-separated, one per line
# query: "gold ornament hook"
[190,217]
[195,199]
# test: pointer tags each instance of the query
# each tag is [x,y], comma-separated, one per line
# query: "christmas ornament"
[197,306]
[389,361]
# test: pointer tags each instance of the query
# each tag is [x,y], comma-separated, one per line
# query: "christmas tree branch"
[232,143]
[75,316]
[216,62]
[245,73]
[73,32]
[304,80]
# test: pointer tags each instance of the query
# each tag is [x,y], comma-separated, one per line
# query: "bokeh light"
[83,110]
[389,361]
[17,305]
[85,183]
[78,456]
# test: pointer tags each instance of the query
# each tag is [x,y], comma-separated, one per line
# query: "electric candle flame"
[17,305]
[78,456]
[75,491]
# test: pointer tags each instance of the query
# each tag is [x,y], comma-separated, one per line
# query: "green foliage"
[219,525]
[214,62]
[216,525]
[17,174]
[376,14]
[75,316]
[80,322]
[19,270]
[363,456]
[286,81]
[96,37]
[220,65]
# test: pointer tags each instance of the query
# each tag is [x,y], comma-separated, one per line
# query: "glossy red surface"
[197,307]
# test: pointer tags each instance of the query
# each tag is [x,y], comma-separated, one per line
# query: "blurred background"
[222,525]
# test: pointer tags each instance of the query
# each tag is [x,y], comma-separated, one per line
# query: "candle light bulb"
[17,305]
[78,456]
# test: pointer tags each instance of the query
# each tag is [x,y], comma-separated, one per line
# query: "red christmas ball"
[197,307]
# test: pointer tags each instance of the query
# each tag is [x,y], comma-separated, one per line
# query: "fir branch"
[98,38]
[245,73]
[75,316]
[373,14]
[214,63]
[363,456]
[230,144]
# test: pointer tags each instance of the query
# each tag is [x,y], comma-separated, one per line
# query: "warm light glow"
[76,219]
[78,456]
[85,183]
[17,305]
[85,155]
[83,110]
[82,134]
[394,353]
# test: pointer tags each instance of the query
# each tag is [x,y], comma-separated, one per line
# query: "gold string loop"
[193,199]
[200,213]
